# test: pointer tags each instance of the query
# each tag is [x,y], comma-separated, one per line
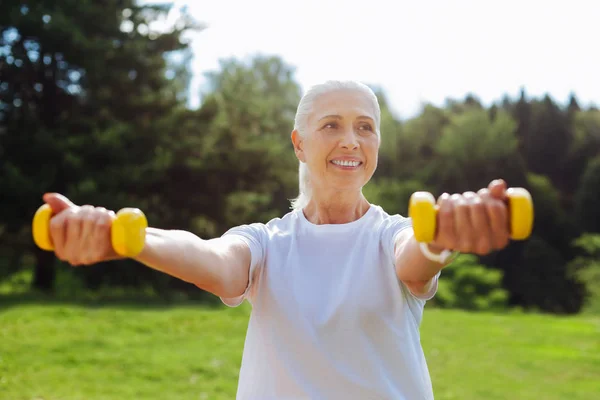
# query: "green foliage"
[97,99]
[586,270]
[552,223]
[82,114]
[391,194]
[587,198]
[543,271]
[468,285]
[475,148]
[547,141]
[585,146]
[238,166]
[414,152]
[389,163]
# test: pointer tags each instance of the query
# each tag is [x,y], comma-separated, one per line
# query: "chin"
[354,186]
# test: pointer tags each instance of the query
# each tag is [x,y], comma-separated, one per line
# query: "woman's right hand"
[80,234]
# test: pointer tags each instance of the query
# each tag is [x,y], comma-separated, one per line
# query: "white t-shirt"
[330,319]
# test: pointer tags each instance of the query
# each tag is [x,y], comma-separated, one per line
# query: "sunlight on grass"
[72,352]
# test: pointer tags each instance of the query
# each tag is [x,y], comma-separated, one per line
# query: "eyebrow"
[338,117]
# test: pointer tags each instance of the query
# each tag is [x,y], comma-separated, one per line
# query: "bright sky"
[417,51]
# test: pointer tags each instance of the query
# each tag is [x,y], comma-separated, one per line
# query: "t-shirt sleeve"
[397,225]
[254,235]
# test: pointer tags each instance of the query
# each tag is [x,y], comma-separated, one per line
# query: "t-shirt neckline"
[335,227]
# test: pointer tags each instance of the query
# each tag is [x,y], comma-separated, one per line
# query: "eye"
[330,125]
[366,127]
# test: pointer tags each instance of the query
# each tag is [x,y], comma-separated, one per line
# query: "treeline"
[93,105]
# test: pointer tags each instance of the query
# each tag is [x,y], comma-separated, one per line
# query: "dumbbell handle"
[423,212]
[128,230]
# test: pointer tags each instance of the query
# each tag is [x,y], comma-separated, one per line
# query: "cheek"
[318,150]
[372,150]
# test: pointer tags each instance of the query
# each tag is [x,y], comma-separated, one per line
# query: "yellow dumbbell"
[423,210]
[128,230]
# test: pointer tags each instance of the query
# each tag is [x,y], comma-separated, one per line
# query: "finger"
[57,202]
[73,237]
[86,214]
[446,234]
[58,234]
[462,223]
[497,189]
[480,223]
[498,217]
[102,246]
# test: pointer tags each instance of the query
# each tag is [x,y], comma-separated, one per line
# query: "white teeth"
[346,163]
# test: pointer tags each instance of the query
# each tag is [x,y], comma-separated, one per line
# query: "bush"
[391,194]
[468,285]
[586,270]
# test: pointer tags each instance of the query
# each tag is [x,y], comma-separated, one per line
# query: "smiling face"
[341,144]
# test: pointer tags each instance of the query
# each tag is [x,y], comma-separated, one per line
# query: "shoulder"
[265,230]
[390,222]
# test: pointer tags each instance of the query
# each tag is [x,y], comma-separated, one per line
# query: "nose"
[349,140]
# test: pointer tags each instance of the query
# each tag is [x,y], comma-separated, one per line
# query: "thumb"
[498,189]
[57,202]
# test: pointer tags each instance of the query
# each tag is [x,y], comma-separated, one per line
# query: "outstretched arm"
[219,266]
[81,235]
[469,222]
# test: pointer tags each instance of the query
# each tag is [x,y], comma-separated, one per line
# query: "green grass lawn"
[60,351]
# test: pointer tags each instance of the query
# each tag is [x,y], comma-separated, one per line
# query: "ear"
[298,143]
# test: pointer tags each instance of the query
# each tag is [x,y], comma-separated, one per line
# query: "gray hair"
[305,108]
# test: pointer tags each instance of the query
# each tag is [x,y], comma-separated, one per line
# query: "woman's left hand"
[472,222]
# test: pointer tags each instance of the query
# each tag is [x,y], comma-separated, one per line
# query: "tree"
[549,137]
[468,285]
[234,161]
[416,143]
[541,280]
[585,146]
[586,269]
[474,149]
[389,161]
[588,198]
[85,88]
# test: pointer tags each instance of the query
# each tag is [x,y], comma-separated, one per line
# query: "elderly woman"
[337,285]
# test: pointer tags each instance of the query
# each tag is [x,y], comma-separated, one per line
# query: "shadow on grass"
[121,301]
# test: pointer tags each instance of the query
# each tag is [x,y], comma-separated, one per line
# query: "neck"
[336,208]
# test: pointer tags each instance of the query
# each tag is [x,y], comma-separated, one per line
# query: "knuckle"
[57,223]
[443,198]
[74,217]
[456,197]
[497,205]
[478,207]
[445,214]
[459,201]
[103,223]
[461,209]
